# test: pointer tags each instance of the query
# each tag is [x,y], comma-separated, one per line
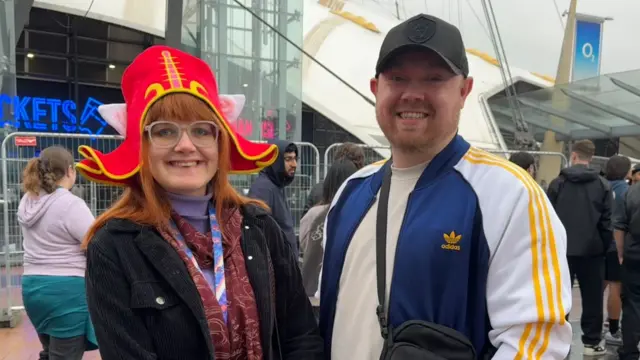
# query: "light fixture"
[30,55]
[111,66]
[245,85]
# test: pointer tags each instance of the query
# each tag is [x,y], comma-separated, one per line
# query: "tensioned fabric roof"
[607,106]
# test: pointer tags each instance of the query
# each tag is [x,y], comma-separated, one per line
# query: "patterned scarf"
[241,339]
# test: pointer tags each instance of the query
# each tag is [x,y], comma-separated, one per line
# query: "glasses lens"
[164,134]
[203,133]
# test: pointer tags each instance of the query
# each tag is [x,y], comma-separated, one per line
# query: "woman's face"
[183,156]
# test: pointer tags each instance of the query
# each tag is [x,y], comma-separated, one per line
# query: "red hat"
[156,72]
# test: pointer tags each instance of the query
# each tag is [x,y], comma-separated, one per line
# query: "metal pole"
[505,73]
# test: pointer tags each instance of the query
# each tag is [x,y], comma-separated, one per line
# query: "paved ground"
[576,348]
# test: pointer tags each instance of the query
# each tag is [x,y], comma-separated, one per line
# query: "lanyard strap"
[381,248]
[218,286]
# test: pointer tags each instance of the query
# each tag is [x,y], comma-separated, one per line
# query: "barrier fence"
[536,154]
[371,154]
[311,169]
[14,156]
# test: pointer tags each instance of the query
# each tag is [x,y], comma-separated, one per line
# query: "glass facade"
[245,43]
[7,56]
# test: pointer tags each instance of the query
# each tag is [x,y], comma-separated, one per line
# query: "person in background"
[312,224]
[583,201]
[525,161]
[617,170]
[349,151]
[634,177]
[270,188]
[182,266]
[53,223]
[626,224]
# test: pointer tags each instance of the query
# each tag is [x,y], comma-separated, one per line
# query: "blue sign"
[586,56]
[39,114]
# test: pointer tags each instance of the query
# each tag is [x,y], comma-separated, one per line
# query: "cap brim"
[384,62]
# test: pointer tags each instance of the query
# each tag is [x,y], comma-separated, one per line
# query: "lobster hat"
[156,72]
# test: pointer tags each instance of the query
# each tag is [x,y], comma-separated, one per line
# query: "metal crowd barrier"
[371,154]
[14,157]
[99,197]
[536,154]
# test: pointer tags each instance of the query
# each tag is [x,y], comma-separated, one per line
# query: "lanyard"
[218,285]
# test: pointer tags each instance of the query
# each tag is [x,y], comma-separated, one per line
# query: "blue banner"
[39,114]
[586,56]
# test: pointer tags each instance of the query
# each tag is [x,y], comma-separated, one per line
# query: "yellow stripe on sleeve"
[479,157]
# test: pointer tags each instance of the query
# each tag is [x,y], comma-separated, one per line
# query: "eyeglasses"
[167,134]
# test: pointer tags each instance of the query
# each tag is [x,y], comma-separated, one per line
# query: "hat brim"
[383,63]
[90,170]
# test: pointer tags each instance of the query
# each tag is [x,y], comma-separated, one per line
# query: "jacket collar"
[446,159]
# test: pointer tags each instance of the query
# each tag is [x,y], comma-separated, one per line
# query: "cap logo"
[420,30]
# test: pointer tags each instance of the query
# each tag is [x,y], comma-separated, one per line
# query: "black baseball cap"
[425,32]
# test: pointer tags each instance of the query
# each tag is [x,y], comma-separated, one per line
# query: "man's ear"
[373,85]
[466,88]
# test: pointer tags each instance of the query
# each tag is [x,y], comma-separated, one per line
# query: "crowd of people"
[596,213]
[443,251]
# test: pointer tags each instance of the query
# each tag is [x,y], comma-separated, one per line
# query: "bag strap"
[381,248]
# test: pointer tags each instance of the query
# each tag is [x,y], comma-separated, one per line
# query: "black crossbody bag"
[414,339]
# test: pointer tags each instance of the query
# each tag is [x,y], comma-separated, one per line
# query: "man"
[270,184]
[471,243]
[348,151]
[525,161]
[627,237]
[583,201]
[617,170]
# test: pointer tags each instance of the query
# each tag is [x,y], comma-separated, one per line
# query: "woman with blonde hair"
[182,266]
[53,223]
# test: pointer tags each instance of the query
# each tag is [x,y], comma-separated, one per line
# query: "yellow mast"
[550,165]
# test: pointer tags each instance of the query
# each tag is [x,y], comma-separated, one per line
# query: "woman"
[312,224]
[182,266]
[53,223]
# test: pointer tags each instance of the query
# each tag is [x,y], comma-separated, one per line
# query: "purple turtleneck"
[192,208]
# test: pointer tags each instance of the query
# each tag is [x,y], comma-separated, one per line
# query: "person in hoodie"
[269,187]
[54,221]
[583,201]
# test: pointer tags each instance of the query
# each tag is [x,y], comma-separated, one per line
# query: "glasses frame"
[183,129]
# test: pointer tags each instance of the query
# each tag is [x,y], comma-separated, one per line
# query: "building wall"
[250,58]
[7,53]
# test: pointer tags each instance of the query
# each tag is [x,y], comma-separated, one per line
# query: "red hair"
[144,201]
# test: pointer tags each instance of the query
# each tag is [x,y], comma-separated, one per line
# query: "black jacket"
[583,201]
[144,304]
[269,187]
[627,219]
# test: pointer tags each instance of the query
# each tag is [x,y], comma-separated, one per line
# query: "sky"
[532,30]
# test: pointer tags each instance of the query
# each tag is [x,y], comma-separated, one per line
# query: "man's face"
[635,177]
[290,163]
[418,100]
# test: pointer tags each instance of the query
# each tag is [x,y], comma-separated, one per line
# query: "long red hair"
[145,201]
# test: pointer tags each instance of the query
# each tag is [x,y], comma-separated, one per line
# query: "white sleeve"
[528,286]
